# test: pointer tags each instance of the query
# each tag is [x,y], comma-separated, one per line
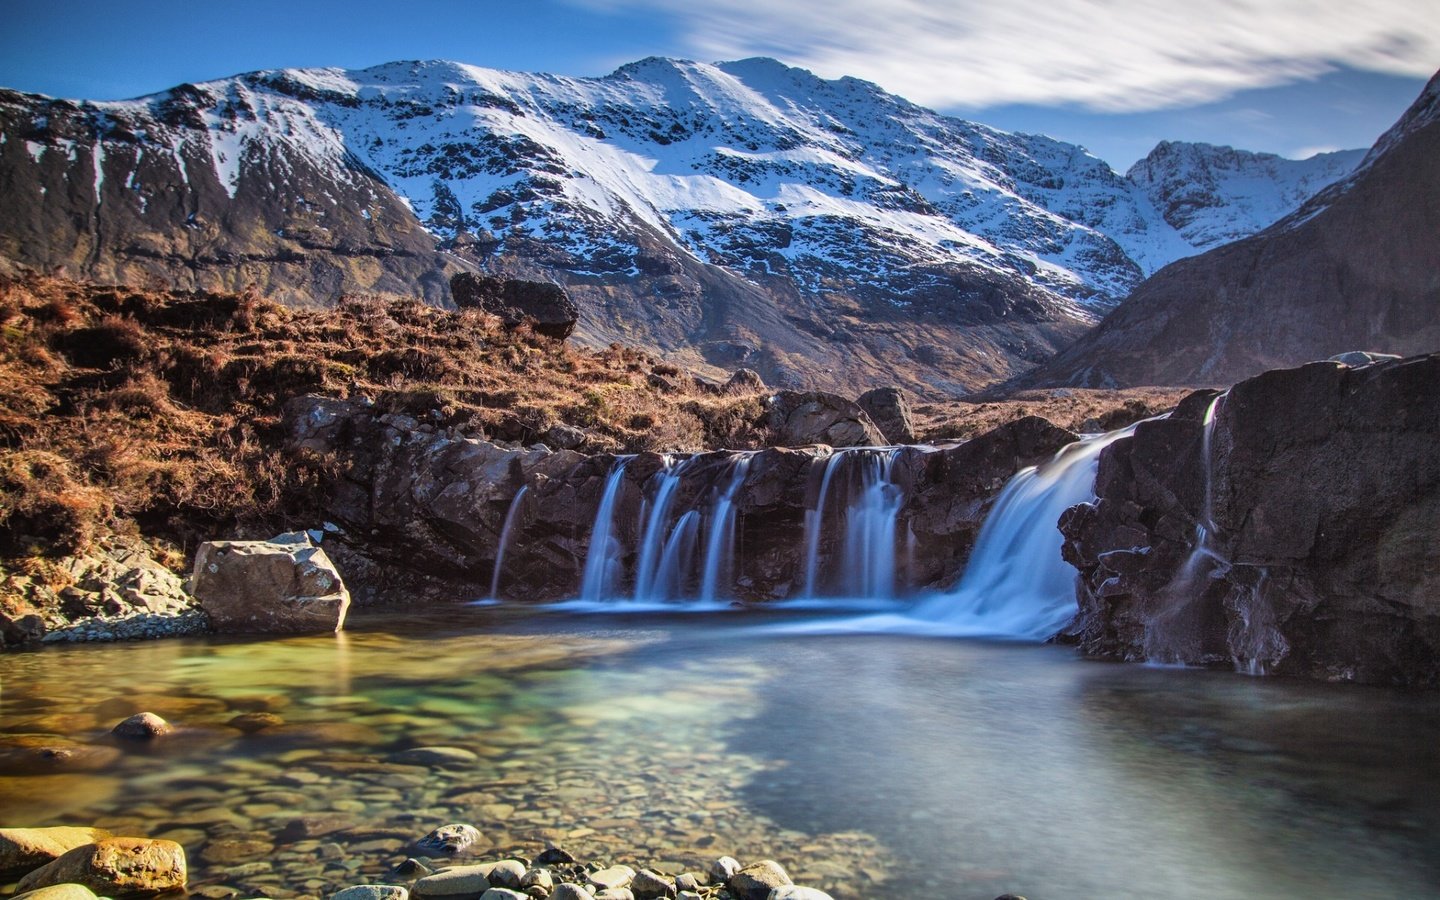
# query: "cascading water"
[654,538]
[602,561]
[720,541]
[1016,583]
[866,568]
[510,515]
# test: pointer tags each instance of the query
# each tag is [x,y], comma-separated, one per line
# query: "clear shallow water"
[871,765]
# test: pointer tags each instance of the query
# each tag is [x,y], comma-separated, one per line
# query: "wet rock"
[372,892]
[507,873]
[1302,544]
[460,881]
[546,306]
[58,892]
[613,877]
[538,878]
[554,856]
[413,866]
[252,722]
[116,866]
[448,840]
[890,411]
[795,892]
[142,727]
[313,826]
[440,757]
[800,419]
[228,851]
[723,869]
[648,885]
[757,880]
[23,849]
[281,587]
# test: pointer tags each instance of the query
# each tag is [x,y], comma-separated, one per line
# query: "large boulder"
[797,419]
[23,849]
[115,867]
[1296,535]
[286,585]
[890,411]
[546,306]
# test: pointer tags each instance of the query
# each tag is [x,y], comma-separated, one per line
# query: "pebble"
[648,885]
[503,894]
[507,873]
[449,839]
[441,757]
[795,892]
[460,881]
[141,727]
[613,877]
[568,891]
[723,869]
[757,880]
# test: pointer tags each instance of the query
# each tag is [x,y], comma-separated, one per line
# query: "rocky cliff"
[420,512]
[825,233]
[1357,266]
[1295,534]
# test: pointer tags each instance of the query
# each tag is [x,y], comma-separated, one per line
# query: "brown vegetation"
[158,413]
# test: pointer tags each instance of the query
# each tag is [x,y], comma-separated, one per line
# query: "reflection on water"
[871,765]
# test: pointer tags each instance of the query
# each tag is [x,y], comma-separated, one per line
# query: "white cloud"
[1104,55]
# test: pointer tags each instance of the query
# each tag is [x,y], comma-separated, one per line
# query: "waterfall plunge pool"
[872,766]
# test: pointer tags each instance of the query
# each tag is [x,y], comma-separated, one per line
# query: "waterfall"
[720,542]
[602,561]
[510,515]
[815,522]
[1016,582]
[866,567]
[653,538]
[676,560]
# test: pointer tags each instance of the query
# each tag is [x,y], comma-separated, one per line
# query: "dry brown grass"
[125,410]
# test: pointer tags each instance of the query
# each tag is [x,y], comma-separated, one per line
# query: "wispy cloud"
[1104,55]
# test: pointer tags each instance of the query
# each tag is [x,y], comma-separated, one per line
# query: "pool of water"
[870,765]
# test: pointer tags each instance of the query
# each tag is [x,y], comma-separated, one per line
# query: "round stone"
[142,727]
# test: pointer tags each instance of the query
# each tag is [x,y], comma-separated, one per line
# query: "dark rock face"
[421,511]
[1353,268]
[1322,516]
[546,306]
[890,411]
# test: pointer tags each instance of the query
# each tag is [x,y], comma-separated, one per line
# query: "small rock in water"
[449,839]
[58,892]
[442,757]
[689,881]
[115,866]
[553,856]
[413,866]
[141,727]
[507,873]
[461,881]
[613,877]
[1009,897]
[372,892]
[31,848]
[757,880]
[724,868]
[568,891]
[252,722]
[313,826]
[795,892]
[648,885]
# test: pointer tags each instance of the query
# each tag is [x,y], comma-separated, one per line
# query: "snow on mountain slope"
[738,211]
[1214,195]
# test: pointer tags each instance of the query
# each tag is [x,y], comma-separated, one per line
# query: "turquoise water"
[871,766]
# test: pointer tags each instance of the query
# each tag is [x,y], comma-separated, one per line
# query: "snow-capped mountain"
[737,213]
[1215,195]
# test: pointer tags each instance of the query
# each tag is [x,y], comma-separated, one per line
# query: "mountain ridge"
[743,213]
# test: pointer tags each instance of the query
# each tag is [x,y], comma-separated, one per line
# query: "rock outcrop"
[422,510]
[285,585]
[815,417]
[890,411]
[1296,536]
[546,306]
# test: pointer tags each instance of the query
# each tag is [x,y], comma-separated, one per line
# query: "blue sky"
[1284,76]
